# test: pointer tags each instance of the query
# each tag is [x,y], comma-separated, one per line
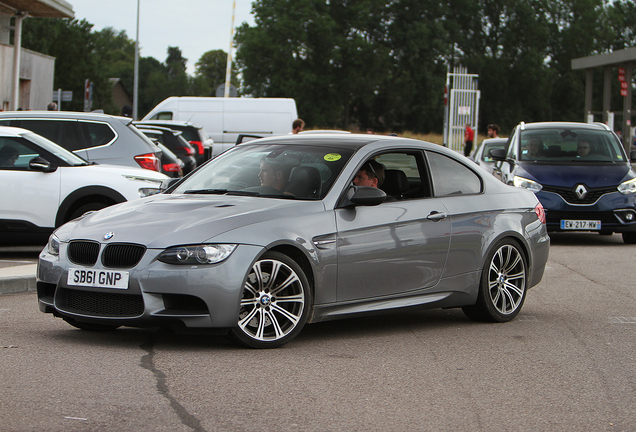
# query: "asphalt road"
[567,363]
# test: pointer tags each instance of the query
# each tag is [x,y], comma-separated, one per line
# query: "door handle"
[436,216]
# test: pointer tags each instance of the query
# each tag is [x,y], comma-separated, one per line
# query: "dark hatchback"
[580,173]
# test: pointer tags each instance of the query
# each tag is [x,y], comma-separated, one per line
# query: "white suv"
[44,186]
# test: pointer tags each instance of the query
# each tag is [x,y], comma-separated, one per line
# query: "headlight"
[521,182]
[628,187]
[197,254]
[144,192]
[53,245]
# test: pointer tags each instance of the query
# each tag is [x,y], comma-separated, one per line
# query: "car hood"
[166,220]
[592,175]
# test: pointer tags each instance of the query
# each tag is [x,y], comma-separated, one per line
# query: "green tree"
[210,73]
[176,68]
[73,45]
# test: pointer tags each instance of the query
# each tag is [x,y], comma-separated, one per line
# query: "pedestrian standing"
[493,131]
[469,137]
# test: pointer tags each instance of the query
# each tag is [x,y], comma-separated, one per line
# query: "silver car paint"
[310,228]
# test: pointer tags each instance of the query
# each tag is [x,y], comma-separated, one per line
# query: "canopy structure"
[21,9]
[38,8]
[618,59]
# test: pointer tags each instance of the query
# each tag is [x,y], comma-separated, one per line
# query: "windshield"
[274,170]
[67,156]
[570,146]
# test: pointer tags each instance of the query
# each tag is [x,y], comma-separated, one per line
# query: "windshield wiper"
[207,191]
[221,192]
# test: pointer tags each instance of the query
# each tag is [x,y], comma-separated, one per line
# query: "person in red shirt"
[469,137]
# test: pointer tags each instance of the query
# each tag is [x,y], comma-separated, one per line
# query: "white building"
[26,80]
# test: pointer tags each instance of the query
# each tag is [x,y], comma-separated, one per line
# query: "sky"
[194,26]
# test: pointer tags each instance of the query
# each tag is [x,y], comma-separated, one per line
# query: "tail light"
[189,150]
[199,146]
[540,211]
[148,161]
[172,167]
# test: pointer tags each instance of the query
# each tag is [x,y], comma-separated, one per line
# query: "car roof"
[564,125]
[157,129]
[328,139]
[64,115]
[168,122]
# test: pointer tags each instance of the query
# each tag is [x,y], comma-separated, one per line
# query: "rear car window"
[97,134]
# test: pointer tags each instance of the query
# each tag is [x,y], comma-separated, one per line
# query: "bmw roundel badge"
[109,235]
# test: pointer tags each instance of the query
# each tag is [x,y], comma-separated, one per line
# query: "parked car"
[171,165]
[44,186]
[482,157]
[580,173]
[192,133]
[98,138]
[175,142]
[230,249]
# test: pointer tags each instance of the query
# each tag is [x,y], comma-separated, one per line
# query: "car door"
[469,212]
[27,195]
[397,246]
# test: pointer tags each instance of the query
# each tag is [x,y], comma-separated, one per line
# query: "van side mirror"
[632,156]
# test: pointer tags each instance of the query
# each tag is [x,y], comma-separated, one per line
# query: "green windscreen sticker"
[332,157]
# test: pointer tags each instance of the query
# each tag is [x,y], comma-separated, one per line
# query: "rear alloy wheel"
[275,305]
[629,237]
[502,290]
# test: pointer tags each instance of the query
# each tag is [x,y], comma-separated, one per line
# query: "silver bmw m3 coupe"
[284,231]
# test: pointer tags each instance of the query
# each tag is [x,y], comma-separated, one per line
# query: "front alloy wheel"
[502,290]
[275,305]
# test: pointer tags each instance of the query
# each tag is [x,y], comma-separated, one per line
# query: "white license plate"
[580,224]
[97,278]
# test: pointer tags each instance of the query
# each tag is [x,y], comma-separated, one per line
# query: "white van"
[225,118]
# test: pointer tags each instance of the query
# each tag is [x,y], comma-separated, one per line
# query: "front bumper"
[615,211]
[158,294]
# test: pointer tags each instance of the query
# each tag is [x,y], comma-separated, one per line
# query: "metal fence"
[463,107]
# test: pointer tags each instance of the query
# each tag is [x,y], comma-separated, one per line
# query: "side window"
[451,178]
[164,115]
[15,155]
[97,134]
[51,129]
[402,175]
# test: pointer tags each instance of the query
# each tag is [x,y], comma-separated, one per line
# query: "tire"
[276,303]
[502,289]
[90,326]
[86,207]
[629,237]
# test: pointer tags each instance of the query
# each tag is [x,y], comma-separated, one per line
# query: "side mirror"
[40,164]
[632,155]
[364,196]
[498,154]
